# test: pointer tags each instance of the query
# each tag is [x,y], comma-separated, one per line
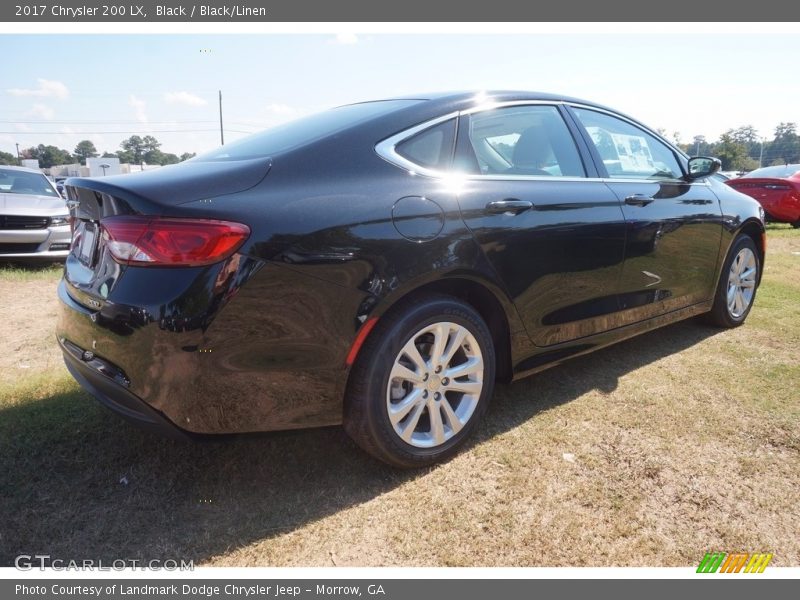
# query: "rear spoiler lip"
[161,190]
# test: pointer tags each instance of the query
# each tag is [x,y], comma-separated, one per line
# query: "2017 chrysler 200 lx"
[381,264]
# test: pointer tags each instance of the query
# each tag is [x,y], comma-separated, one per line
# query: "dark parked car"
[381,264]
[776,188]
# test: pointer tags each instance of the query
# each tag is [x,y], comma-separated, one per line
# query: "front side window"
[626,150]
[520,140]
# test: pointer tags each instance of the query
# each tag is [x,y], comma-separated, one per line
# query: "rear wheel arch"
[399,405]
[479,297]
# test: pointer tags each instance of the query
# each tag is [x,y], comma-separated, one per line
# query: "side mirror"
[702,166]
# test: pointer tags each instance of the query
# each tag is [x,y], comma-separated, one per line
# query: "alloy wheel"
[742,282]
[435,384]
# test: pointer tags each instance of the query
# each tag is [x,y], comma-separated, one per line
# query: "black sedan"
[380,265]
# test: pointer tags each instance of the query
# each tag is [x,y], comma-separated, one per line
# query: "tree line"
[133,150]
[740,149]
[743,149]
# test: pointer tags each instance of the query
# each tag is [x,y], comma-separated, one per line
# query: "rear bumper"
[106,383]
[263,356]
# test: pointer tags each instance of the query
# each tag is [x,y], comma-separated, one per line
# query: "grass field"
[651,452]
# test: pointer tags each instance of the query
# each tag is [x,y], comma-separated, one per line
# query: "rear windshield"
[302,131]
[23,182]
[779,171]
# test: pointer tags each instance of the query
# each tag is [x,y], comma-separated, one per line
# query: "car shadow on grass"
[77,482]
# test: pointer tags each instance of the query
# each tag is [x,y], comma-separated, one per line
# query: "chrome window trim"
[386,149]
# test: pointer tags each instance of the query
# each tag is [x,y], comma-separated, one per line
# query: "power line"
[99,122]
[145,131]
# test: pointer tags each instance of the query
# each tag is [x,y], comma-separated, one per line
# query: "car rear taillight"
[171,242]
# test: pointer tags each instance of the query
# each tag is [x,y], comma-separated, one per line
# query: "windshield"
[302,131]
[780,171]
[24,182]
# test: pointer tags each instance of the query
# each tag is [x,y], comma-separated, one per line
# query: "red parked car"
[777,189]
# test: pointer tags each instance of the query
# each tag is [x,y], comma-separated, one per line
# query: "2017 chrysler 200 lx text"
[381,264]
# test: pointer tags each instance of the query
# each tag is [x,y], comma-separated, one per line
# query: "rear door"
[552,230]
[674,227]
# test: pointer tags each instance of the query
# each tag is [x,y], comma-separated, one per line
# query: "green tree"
[150,144]
[133,148]
[48,156]
[85,149]
[157,157]
[138,149]
[6,158]
[187,155]
[699,146]
[170,159]
[785,148]
[729,151]
[746,134]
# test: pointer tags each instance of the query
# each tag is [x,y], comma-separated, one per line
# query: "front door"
[552,230]
[674,227]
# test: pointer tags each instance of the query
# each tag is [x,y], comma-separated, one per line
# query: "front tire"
[738,281]
[422,381]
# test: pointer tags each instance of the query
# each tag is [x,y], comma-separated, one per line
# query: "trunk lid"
[90,272]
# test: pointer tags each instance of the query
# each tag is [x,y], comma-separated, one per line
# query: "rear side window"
[626,150]
[520,140]
[432,147]
[303,131]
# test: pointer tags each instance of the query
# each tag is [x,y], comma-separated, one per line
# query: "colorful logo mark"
[734,563]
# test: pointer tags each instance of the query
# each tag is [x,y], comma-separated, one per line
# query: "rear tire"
[738,282]
[421,383]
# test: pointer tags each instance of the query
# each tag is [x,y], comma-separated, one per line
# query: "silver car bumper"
[47,244]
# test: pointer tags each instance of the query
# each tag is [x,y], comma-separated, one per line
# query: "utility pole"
[221,134]
[761,154]
[19,158]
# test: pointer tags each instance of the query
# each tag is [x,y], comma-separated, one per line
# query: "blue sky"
[111,87]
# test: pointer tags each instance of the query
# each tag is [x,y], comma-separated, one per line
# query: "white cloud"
[184,98]
[41,111]
[138,105]
[46,89]
[281,110]
[346,39]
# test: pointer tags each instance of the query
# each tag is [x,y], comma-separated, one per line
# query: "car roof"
[469,98]
[453,101]
[489,95]
[24,169]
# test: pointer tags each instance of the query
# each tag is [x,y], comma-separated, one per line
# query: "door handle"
[509,205]
[639,200]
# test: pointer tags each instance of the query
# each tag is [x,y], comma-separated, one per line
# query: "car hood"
[32,205]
